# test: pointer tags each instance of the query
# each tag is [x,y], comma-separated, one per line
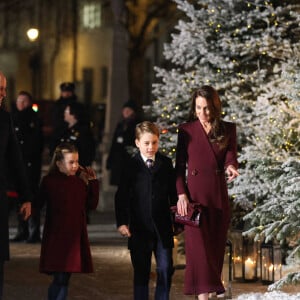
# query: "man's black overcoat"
[10,158]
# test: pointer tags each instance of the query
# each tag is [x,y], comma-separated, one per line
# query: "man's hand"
[25,210]
[124,231]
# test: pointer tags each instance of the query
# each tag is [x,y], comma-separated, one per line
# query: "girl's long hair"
[218,132]
[59,155]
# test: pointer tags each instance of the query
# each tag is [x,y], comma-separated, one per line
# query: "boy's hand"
[124,231]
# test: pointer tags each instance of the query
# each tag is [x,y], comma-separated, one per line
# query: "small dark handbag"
[192,218]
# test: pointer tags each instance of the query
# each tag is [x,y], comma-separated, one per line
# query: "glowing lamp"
[35,107]
[32,34]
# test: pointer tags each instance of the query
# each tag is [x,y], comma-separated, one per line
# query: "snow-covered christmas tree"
[236,46]
[249,51]
[271,177]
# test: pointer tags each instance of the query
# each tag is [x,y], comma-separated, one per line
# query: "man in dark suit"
[28,129]
[10,157]
[142,206]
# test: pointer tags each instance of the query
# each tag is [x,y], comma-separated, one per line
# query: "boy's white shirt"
[145,158]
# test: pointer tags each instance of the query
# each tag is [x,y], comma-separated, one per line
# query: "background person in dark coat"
[10,157]
[28,128]
[79,133]
[142,207]
[67,97]
[206,154]
[122,142]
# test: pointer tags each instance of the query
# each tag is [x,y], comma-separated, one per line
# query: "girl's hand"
[231,173]
[91,174]
[182,204]
[87,174]
[124,231]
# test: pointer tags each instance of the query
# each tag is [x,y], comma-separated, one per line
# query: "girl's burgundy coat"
[65,244]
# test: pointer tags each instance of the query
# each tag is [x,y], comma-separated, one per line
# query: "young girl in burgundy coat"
[67,190]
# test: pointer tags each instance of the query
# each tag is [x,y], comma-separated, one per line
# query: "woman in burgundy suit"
[206,154]
[67,190]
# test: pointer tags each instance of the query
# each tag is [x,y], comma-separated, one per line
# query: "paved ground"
[112,279]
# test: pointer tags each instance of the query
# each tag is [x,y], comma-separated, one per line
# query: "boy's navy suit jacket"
[144,197]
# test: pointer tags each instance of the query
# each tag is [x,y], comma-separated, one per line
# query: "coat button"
[194,172]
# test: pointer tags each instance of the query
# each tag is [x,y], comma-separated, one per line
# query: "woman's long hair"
[59,155]
[218,132]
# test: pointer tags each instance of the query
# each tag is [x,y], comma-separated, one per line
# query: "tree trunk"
[136,69]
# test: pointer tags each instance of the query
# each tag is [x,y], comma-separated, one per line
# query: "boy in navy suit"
[142,206]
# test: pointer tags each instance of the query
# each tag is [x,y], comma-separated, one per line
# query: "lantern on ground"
[271,267]
[227,269]
[250,258]
[245,257]
[237,247]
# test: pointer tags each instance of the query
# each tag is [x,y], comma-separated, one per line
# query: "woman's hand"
[182,204]
[124,231]
[231,173]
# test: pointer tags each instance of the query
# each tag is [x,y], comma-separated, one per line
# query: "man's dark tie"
[149,163]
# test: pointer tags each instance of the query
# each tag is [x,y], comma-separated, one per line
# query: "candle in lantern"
[237,267]
[270,273]
[277,272]
[265,272]
[250,268]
